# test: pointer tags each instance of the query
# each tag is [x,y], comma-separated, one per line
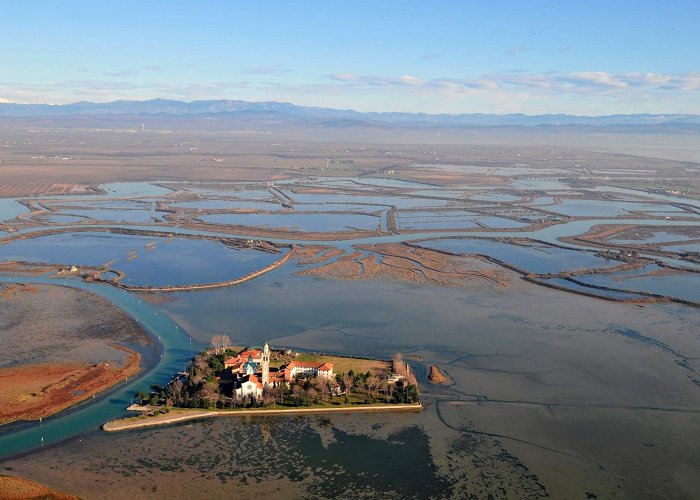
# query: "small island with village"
[228,381]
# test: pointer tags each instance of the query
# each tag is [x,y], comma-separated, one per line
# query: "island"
[228,381]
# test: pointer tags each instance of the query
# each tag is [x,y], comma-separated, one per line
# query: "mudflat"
[61,346]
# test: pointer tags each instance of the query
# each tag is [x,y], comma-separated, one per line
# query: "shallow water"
[499,197]
[552,392]
[660,236]
[296,221]
[228,204]
[108,215]
[600,208]
[684,247]
[680,285]
[9,209]
[169,262]
[577,287]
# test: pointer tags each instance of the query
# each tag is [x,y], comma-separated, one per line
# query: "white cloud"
[411,80]
[579,82]
[597,91]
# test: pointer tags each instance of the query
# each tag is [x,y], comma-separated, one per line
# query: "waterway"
[177,349]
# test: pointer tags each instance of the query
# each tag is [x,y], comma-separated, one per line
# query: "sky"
[534,57]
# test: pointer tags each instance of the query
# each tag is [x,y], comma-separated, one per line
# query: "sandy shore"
[183,415]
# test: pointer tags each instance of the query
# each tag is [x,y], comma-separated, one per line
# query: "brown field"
[28,392]
[17,488]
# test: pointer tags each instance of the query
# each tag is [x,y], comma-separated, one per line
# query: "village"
[225,377]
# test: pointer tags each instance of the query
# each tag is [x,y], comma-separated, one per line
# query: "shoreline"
[185,414]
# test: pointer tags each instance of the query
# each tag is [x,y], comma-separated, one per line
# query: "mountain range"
[284,120]
[283,109]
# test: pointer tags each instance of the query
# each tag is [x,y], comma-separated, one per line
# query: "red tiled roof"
[255,380]
[325,367]
[307,364]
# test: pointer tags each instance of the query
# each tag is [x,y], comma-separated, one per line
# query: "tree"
[372,385]
[325,391]
[347,381]
[210,393]
[216,364]
[220,343]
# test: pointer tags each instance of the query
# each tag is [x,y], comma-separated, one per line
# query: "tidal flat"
[553,393]
[549,392]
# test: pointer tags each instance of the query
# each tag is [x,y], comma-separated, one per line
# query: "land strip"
[183,415]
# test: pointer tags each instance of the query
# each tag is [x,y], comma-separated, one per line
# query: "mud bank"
[402,262]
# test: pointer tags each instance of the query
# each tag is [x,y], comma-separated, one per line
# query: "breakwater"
[185,415]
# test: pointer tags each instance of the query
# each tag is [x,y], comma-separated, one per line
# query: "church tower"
[266,365]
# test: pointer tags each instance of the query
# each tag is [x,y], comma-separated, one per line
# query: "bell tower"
[266,365]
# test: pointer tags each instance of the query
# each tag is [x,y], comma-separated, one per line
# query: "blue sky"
[585,57]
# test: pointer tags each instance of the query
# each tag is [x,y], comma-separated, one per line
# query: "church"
[252,373]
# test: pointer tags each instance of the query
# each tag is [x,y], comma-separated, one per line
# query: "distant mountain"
[327,117]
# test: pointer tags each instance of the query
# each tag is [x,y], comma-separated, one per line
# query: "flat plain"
[554,286]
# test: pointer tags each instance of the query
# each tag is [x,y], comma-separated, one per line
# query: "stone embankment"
[184,415]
